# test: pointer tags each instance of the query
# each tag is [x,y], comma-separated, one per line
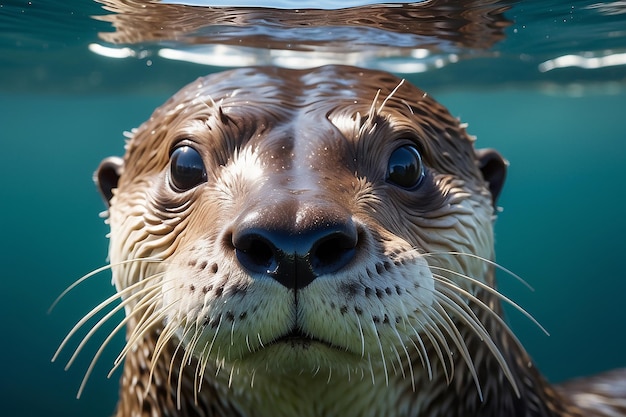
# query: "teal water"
[562,227]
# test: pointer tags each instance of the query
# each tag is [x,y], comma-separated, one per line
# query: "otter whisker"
[487,338]
[148,319]
[367,123]
[180,345]
[421,352]
[96,310]
[230,376]
[96,272]
[382,353]
[219,364]
[187,329]
[98,353]
[103,320]
[186,359]
[199,373]
[217,330]
[166,335]
[394,350]
[232,334]
[400,359]
[204,360]
[408,358]
[496,293]
[407,105]
[145,323]
[458,304]
[485,260]
[440,344]
[481,304]
[448,325]
[407,324]
[481,332]
[190,346]
[371,366]
[100,350]
[437,328]
[129,345]
[252,377]
[393,92]
[139,330]
[358,322]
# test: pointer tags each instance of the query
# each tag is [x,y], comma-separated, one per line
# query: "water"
[64,105]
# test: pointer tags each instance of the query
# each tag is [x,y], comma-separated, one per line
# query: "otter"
[316,243]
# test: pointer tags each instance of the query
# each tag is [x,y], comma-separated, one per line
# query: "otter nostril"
[294,256]
[255,253]
[333,252]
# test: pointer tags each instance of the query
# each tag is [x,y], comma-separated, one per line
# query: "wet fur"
[411,327]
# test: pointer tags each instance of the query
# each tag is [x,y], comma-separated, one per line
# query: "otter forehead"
[291,118]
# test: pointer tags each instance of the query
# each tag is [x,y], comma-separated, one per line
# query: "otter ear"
[107,176]
[493,166]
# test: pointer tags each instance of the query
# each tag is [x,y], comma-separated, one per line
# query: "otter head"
[291,222]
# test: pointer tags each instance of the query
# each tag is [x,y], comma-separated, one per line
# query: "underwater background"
[561,123]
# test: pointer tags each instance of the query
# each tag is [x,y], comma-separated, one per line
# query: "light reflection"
[215,55]
[111,52]
[417,61]
[285,4]
[609,8]
[586,61]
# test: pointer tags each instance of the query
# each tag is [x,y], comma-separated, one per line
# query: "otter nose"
[295,256]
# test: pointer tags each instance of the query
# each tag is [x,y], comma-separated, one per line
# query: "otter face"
[331,218]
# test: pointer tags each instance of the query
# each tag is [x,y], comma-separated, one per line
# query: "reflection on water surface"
[47,45]
[383,36]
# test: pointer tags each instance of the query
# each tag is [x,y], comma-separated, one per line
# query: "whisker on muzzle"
[140,293]
[94,273]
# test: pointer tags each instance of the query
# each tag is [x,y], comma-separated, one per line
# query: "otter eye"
[186,168]
[405,168]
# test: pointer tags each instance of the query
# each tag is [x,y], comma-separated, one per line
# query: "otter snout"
[295,242]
